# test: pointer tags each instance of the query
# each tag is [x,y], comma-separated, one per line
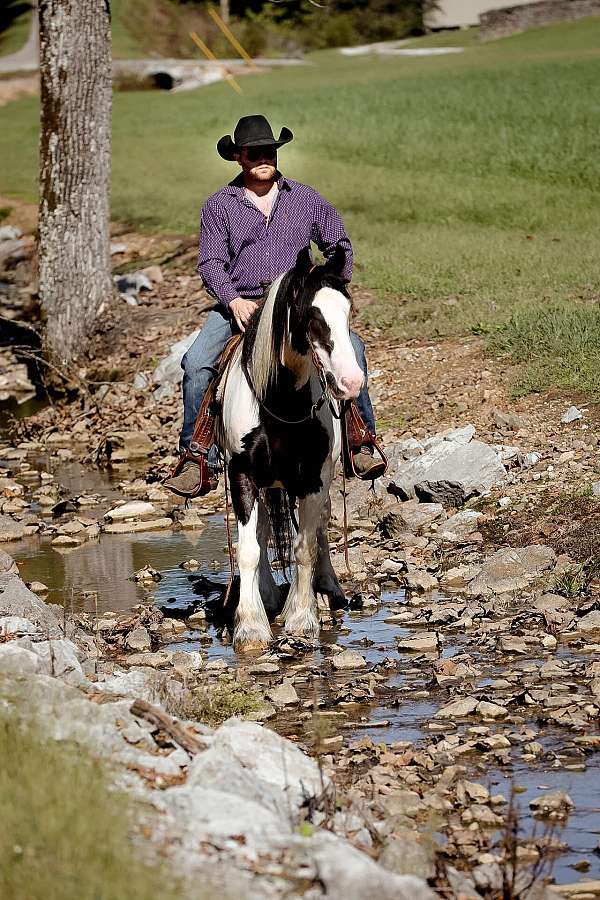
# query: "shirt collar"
[236,187]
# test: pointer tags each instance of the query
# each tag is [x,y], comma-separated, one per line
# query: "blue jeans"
[201,361]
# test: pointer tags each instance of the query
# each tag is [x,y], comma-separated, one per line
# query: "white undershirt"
[264,203]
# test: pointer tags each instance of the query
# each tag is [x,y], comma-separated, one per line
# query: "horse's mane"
[284,313]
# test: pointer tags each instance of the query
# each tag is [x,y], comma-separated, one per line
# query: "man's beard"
[263,173]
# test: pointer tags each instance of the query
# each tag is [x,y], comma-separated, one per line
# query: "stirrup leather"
[356,434]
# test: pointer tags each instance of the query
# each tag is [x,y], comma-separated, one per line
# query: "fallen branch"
[158,717]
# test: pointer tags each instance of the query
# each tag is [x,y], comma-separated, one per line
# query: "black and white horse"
[282,440]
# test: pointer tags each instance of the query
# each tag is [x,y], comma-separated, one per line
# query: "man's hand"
[242,310]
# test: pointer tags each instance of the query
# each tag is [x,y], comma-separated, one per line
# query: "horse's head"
[326,323]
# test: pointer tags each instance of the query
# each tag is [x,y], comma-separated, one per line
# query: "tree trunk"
[76,95]
[224,4]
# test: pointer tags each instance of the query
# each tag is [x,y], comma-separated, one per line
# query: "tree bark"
[224,4]
[74,224]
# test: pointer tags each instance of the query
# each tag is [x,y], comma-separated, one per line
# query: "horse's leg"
[252,629]
[325,581]
[269,590]
[299,612]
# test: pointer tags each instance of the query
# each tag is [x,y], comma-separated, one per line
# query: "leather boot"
[192,476]
[366,465]
[359,447]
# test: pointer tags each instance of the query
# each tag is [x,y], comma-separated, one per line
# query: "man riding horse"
[251,232]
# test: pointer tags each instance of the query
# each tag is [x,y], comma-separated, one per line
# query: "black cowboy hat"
[252,131]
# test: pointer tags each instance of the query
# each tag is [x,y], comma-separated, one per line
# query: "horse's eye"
[320,332]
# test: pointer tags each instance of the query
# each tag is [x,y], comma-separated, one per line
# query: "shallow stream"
[96,577]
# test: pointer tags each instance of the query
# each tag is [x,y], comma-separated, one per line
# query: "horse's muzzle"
[347,388]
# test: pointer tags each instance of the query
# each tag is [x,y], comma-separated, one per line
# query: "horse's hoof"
[303,623]
[251,637]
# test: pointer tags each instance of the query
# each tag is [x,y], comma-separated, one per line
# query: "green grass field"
[468,183]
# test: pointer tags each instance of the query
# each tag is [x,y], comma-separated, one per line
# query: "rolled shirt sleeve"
[213,255]
[332,233]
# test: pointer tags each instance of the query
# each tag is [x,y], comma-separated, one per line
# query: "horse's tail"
[280,510]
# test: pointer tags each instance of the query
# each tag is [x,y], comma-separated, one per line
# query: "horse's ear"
[303,262]
[336,261]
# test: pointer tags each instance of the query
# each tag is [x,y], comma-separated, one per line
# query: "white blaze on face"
[341,363]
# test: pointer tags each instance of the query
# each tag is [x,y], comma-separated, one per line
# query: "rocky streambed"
[461,682]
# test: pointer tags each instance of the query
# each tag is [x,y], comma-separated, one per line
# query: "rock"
[511,569]
[459,576]
[133,509]
[417,515]
[491,710]
[270,761]
[423,641]
[60,660]
[38,587]
[556,805]
[147,573]
[121,446]
[157,660]
[283,694]
[596,488]
[197,619]
[186,660]
[407,449]
[405,854]
[348,659]
[508,643]
[418,580]
[169,370]
[67,540]
[453,469]
[460,526]
[11,530]
[17,600]
[17,660]
[7,564]
[154,273]
[571,415]
[130,526]
[18,625]
[458,709]
[133,683]
[131,285]
[507,421]
[590,622]
[138,639]
[402,803]
[471,791]
[10,233]
[345,873]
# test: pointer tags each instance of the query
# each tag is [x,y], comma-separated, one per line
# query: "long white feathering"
[264,356]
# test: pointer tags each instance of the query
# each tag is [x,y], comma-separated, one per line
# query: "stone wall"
[498,23]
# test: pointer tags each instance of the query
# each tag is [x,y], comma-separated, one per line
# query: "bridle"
[324,396]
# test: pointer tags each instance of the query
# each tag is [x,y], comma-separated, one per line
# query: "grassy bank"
[556,346]
[469,183]
[65,834]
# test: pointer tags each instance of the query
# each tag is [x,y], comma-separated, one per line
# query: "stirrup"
[207,481]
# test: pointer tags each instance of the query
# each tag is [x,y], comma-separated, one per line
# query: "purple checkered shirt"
[241,251]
